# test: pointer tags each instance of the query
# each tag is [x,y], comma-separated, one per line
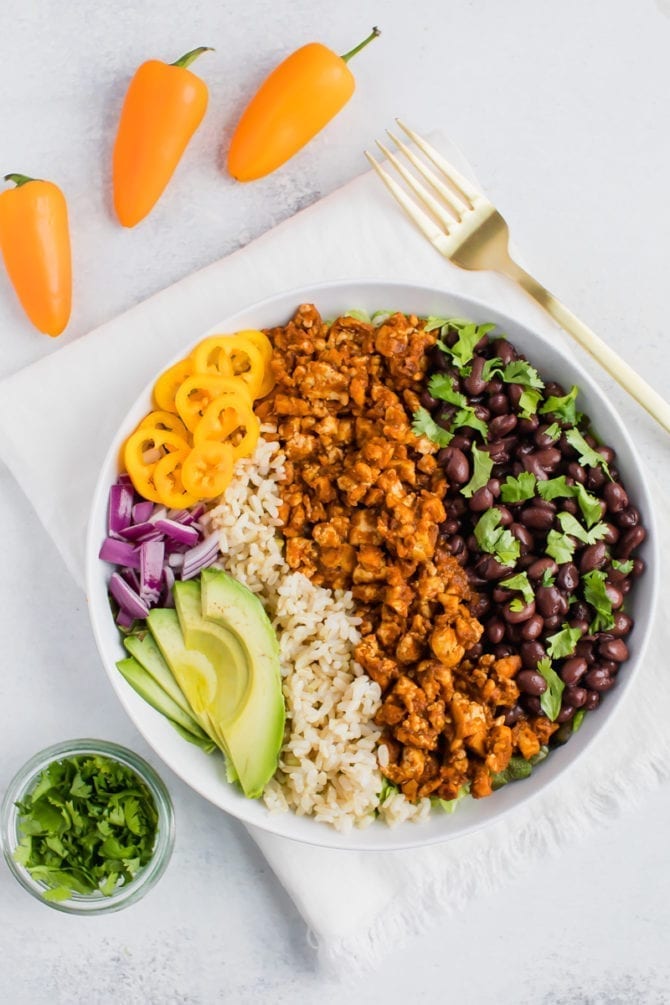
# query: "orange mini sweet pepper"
[164,105]
[293,104]
[35,245]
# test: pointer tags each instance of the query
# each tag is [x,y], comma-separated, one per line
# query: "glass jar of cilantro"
[87,827]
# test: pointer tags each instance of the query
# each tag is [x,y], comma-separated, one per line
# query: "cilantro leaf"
[467,417]
[550,701]
[519,371]
[547,578]
[469,334]
[441,386]
[588,504]
[496,540]
[482,467]
[563,643]
[518,489]
[578,719]
[528,402]
[555,488]
[423,424]
[571,525]
[624,567]
[587,455]
[522,583]
[492,367]
[595,594]
[563,407]
[560,547]
[553,431]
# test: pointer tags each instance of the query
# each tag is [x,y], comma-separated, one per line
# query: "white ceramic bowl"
[205,773]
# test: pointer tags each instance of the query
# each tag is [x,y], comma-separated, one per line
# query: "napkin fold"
[357,906]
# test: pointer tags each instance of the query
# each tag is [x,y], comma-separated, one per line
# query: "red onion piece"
[126,597]
[119,553]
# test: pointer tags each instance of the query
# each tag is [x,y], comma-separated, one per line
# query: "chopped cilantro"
[87,826]
[588,504]
[519,371]
[469,334]
[441,386]
[578,719]
[571,525]
[555,488]
[467,417]
[547,578]
[563,643]
[587,455]
[560,547]
[550,701]
[483,465]
[528,402]
[496,540]
[595,594]
[518,489]
[491,367]
[553,431]
[624,567]
[423,424]
[521,583]
[563,407]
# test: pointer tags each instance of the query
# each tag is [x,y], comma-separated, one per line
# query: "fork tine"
[424,222]
[420,190]
[447,194]
[466,189]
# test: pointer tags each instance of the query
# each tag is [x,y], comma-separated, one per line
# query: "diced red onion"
[119,553]
[131,577]
[201,556]
[178,531]
[151,570]
[142,511]
[123,619]
[120,511]
[126,597]
[142,532]
[175,561]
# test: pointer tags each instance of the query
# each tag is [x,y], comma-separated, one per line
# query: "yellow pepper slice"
[165,420]
[143,450]
[208,469]
[168,479]
[231,356]
[229,420]
[262,342]
[168,383]
[196,392]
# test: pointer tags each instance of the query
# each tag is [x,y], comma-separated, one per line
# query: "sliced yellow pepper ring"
[229,420]
[208,469]
[168,383]
[262,342]
[198,391]
[165,420]
[143,450]
[168,479]
[231,356]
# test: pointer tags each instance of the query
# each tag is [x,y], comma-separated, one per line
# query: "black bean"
[473,383]
[629,517]
[514,617]
[495,630]
[531,682]
[548,458]
[542,565]
[540,439]
[504,350]
[512,715]
[593,557]
[498,404]
[495,385]
[575,696]
[501,426]
[607,452]
[490,568]
[502,650]
[498,452]
[614,649]
[456,507]
[532,629]
[456,465]
[481,500]
[450,527]
[615,497]
[531,653]
[545,504]
[625,586]
[532,704]
[536,518]
[474,652]
[501,594]
[609,666]
[598,679]
[613,534]
[622,624]
[553,622]
[428,401]
[580,611]
[639,565]
[506,518]
[592,701]
[461,442]
[553,390]
[568,577]
[513,634]
[584,650]
[569,506]
[482,413]
[566,713]
[528,425]
[581,624]
[595,478]
[573,670]
[577,472]
[523,536]
[550,601]
[480,605]
[531,463]
[493,485]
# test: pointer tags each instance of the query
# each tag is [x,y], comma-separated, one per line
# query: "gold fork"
[467,229]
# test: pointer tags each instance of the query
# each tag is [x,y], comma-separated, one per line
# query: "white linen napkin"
[357,906]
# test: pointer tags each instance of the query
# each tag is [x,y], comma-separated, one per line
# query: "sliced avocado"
[194,673]
[255,736]
[220,646]
[145,685]
[143,647]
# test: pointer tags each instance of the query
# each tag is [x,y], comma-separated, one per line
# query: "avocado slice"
[144,649]
[219,645]
[254,737]
[145,685]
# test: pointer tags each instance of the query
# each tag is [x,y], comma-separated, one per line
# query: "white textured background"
[563,109]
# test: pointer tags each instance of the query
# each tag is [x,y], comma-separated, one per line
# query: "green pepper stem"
[361,45]
[188,57]
[18,179]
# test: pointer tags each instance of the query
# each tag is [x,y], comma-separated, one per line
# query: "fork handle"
[617,368]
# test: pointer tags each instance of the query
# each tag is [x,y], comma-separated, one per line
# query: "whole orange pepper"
[35,245]
[292,105]
[164,105]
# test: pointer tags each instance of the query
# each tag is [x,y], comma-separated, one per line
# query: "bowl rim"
[404,835]
[95,903]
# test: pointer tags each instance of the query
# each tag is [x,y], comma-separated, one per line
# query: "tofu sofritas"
[362,511]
